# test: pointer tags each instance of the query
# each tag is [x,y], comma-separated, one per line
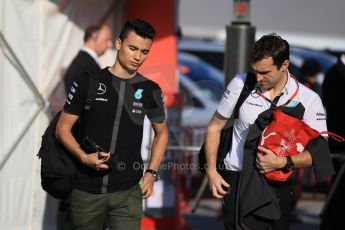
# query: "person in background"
[333,98]
[309,71]
[110,183]
[97,39]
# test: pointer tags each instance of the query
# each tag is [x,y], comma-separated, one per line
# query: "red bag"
[285,136]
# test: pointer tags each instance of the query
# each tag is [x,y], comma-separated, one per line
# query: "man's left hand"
[267,161]
[147,182]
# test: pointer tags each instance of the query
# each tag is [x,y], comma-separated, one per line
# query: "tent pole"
[38,97]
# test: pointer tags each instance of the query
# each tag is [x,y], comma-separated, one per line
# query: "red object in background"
[241,8]
[286,136]
[161,64]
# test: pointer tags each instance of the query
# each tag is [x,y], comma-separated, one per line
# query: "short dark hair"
[271,45]
[310,67]
[91,30]
[140,27]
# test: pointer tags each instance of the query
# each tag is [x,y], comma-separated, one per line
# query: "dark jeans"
[229,200]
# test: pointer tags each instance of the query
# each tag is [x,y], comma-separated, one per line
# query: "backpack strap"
[249,85]
[91,95]
[226,133]
[92,90]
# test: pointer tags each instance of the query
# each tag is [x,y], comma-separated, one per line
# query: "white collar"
[92,53]
[290,86]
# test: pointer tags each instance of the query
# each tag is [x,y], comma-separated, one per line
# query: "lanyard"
[274,103]
[258,91]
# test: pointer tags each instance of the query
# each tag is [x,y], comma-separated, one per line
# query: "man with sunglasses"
[108,177]
[275,87]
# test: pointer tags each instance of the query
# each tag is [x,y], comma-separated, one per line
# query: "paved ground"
[207,216]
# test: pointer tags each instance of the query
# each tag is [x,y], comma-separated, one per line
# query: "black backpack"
[226,133]
[58,166]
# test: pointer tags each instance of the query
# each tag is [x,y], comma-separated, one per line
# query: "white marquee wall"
[44,37]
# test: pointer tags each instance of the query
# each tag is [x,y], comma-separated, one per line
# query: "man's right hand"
[217,184]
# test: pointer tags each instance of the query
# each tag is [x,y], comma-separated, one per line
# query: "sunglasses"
[90,146]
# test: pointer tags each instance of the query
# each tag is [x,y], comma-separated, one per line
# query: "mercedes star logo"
[101,89]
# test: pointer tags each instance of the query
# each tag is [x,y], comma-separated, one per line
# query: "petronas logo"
[138,94]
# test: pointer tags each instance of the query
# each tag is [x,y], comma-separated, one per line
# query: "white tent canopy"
[38,39]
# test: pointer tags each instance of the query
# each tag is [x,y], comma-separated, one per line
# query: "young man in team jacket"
[109,181]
